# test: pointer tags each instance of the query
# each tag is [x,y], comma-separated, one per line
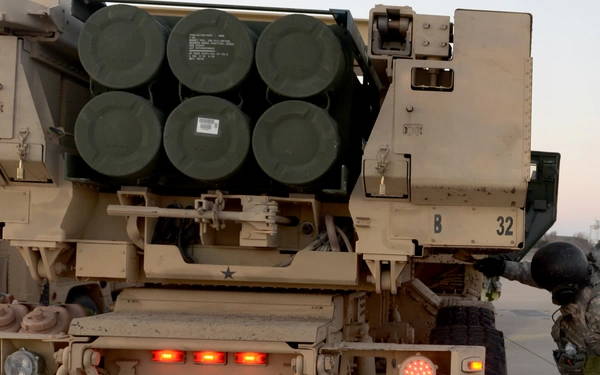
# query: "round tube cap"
[296,142]
[207,138]
[122,46]
[210,51]
[299,56]
[119,134]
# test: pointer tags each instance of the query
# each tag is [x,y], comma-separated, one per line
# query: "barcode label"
[207,126]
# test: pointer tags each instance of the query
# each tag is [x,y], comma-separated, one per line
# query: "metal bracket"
[385,271]
[44,262]
[213,208]
[542,199]
[31,259]
[135,231]
[49,260]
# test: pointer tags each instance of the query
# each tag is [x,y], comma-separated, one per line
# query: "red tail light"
[251,358]
[417,365]
[210,358]
[168,356]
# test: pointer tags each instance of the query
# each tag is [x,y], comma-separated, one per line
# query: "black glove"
[491,267]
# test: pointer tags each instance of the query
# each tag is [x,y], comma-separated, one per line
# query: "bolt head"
[307,229]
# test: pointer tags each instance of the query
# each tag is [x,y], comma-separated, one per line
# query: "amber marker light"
[168,356]
[210,358]
[473,365]
[251,358]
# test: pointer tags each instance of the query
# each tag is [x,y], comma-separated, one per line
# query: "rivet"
[1,86]
[444,27]
[443,44]
[426,26]
[425,43]
[410,108]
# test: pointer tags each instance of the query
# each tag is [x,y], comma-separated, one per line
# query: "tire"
[465,315]
[86,302]
[468,325]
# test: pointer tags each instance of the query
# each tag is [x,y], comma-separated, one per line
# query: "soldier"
[574,281]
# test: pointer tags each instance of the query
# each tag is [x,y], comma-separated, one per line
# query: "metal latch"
[382,163]
[22,149]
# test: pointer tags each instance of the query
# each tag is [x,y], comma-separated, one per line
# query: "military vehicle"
[293,191]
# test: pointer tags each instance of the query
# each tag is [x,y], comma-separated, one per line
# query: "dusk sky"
[566,103]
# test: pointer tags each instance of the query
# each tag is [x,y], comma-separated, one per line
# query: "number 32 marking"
[505,226]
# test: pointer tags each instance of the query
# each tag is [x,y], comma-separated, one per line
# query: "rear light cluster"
[209,357]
